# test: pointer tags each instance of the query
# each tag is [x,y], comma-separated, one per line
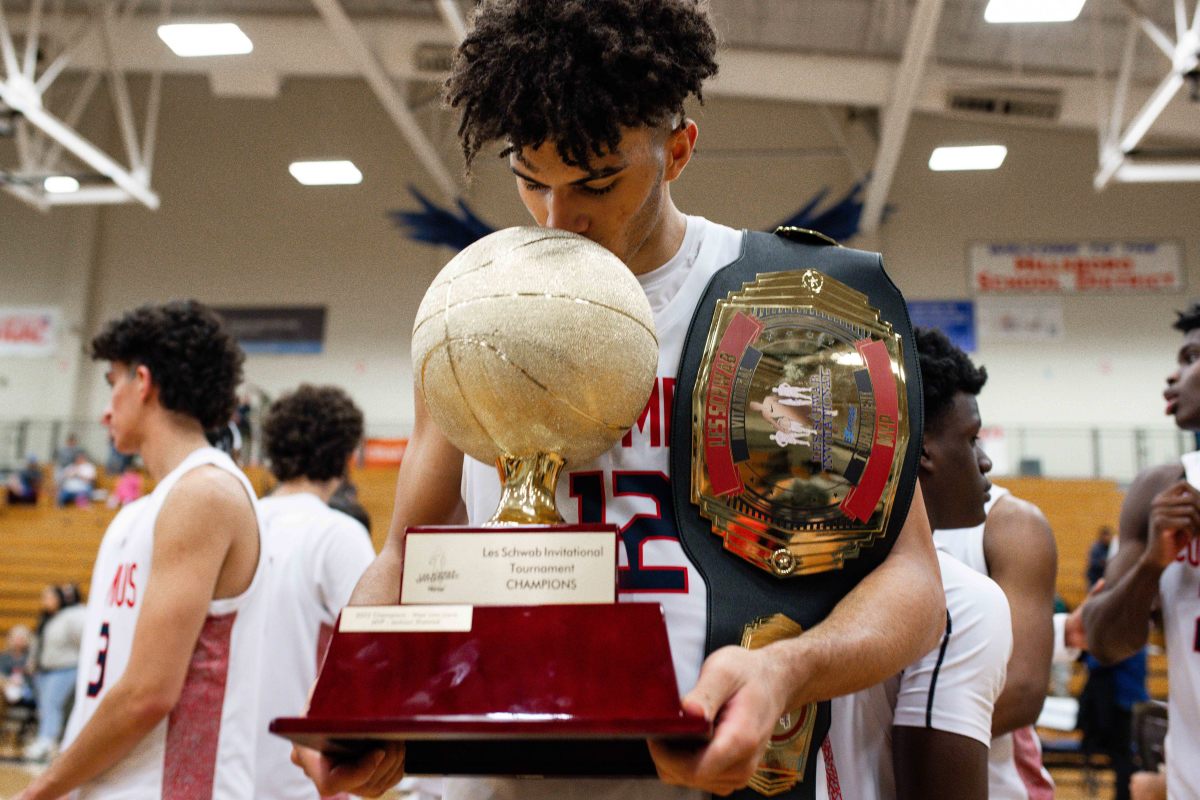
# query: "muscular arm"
[927,761]
[1117,620]
[202,518]
[1022,558]
[888,621]
[427,493]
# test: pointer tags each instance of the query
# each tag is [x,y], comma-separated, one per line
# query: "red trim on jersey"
[831,776]
[1027,756]
[194,726]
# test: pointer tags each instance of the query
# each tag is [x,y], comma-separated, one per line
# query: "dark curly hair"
[576,71]
[1188,320]
[193,360]
[311,432]
[945,371]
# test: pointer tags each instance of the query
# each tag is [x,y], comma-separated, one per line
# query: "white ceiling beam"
[376,76]
[453,17]
[302,47]
[898,112]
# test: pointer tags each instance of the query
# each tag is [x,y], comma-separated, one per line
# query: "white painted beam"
[376,76]
[898,112]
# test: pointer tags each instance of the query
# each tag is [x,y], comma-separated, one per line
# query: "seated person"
[25,484]
[77,481]
[130,486]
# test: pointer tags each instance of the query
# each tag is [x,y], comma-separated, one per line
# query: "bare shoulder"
[1017,533]
[209,487]
[1153,480]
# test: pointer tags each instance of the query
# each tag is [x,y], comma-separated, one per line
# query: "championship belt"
[798,415]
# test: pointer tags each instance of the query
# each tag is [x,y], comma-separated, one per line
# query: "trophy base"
[528,690]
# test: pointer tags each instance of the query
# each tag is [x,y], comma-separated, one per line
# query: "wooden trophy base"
[554,690]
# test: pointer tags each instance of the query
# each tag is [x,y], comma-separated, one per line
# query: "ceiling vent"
[998,101]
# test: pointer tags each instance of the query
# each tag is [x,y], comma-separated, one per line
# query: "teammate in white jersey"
[315,555]
[1157,566]
[588,97]
[166,700]
[930,726]
[1016,548]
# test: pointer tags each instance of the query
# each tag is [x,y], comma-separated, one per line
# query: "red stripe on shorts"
[194,727]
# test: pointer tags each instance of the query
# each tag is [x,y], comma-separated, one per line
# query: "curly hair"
[945,371]
[193,360]
[1189,320]
[576,71]
[311,432]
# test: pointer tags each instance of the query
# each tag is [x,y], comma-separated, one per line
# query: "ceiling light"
[208,39]
[325,173]
[60,184]
[952,159]
[1033,10]
[1158,173]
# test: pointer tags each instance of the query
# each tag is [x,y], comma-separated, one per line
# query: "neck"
[662,242]
[322,489]
[168,441]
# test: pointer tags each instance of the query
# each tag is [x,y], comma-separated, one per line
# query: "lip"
[1172,402]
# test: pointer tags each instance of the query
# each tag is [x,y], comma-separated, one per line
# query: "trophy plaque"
[797,398]
[508,655]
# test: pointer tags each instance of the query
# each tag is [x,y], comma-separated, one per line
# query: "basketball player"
[1158,566]
[166,699]
[315,556]
[588,96]
[940,708]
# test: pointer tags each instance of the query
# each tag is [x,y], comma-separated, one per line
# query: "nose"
[985,463]
[1173,378]
[564,215]
[106,417]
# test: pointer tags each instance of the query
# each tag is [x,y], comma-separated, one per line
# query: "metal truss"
[1120,140]
[44,137]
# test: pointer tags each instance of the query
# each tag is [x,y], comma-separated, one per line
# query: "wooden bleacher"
[44,544]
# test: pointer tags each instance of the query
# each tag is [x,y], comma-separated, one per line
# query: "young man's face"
[954,467]
[618,202]
[122,413]
[1183,385]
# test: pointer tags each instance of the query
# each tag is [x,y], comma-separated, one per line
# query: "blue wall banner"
[277,329]
[955,318]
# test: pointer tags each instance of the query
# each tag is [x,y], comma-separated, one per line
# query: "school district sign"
[1077,267]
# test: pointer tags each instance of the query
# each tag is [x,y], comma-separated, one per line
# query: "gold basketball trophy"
[532,349]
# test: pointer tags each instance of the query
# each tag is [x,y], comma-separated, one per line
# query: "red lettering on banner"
[22,330]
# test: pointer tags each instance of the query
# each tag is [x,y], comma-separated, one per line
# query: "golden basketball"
[534,340]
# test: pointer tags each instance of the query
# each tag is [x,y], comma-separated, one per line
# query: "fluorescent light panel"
[60,184]
[325,173]
[1033,10]
[1158,173]
[205,39]
[972,157]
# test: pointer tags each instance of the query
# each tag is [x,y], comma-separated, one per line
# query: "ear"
[927,461]
[145,382]
[680,145]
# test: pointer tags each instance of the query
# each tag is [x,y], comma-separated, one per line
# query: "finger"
[348,776]
[1097,587]
[387,774]
[675,763]
[716,684]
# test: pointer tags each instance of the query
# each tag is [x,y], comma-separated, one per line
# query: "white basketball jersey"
[315,556]
[205,746]
[1179,588]
[629,486]
[1015,770]
[952,688]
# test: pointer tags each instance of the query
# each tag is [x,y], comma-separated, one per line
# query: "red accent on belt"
[859,503]
[722,473]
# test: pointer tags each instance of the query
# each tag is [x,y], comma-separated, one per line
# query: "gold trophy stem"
[527,496]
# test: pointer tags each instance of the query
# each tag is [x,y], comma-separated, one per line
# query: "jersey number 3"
[588,489]
[94,687]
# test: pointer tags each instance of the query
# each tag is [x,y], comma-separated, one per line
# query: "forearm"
[1117,621]
[122,719]
[892,618]
[380,583]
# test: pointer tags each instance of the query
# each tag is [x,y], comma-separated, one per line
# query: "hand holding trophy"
[533,348]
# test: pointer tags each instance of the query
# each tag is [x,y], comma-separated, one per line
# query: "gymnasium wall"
[235,228]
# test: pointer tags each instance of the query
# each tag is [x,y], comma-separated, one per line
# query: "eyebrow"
[595,175]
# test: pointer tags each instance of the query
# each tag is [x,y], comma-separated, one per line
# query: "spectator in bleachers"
[1106,713]
[76,481]
[65,455]
[54,659]
[1098,555]
[25,485]
[129,487]
[14,665]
